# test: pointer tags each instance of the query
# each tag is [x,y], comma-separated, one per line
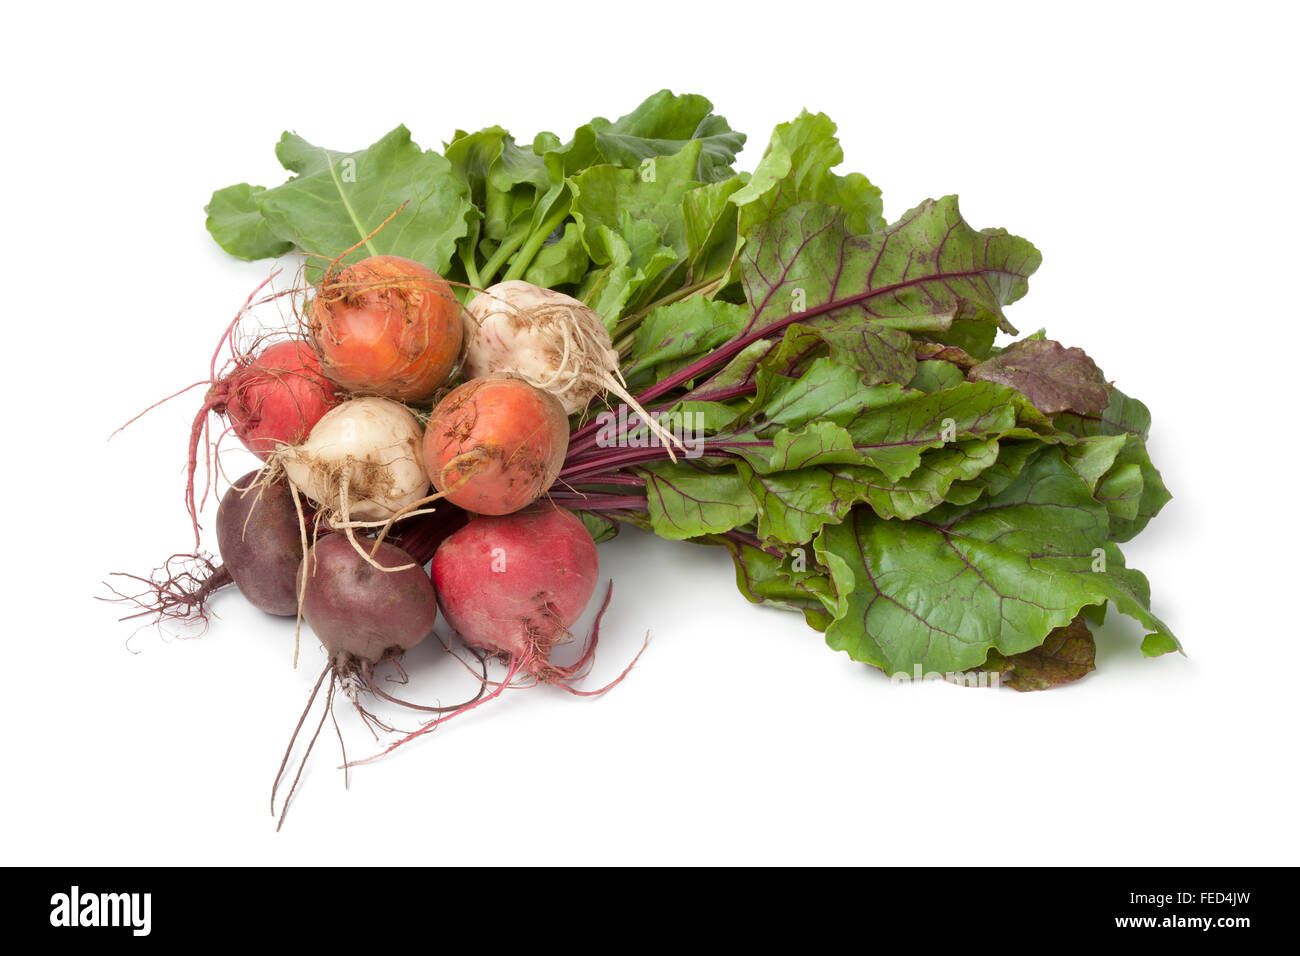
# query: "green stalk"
[590,294]
[534,243]
[503,253]
[467,258]
[623,331]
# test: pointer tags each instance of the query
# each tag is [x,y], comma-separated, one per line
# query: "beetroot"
[493,445]
[515,584]
[260,540]
[364,615]
[386,326]
[272,399]
[275,398]
[260,543]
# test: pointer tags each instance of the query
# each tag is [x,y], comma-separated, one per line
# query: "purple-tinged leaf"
[1054,378]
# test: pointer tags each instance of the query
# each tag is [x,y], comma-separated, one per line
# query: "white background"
[1149,151]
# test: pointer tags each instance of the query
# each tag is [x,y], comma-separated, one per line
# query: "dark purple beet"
[261,543]
[360,613]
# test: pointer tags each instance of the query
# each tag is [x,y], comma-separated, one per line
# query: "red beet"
[514,584]
[271,399]
[275,398]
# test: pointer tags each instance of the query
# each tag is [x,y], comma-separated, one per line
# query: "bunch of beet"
[398,430]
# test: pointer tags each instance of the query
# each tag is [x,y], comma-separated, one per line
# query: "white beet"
[363,461]
[550,340]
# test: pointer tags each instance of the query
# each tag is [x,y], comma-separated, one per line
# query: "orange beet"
[494,444]
[386,326]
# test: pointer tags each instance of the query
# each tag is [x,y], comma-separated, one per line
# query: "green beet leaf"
[689,500]
[338,199]
[930,269]
[797,168]
[789,581]
[1002,573]
[235,220]
[662,125]
[683,330]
